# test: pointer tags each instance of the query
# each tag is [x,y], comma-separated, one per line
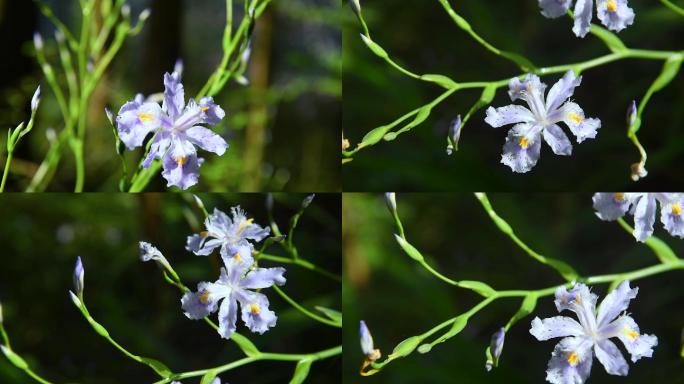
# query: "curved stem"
[305,311]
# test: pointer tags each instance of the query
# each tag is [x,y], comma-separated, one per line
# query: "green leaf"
[406,347]
[487,94]
[663,251]
[374,47]
[477,286]
[245,344]
[301,371]
[209,377]
[527,306]
[459,323]
[102,331]
[332,314]
[374,135]
[15,359]
[158,366]
[409,249]
[442,80]
[524,63]
[611,40]
[563,268]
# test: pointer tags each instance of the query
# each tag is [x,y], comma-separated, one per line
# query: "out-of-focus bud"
[367,346]
[178,67]
[51,135]
[307,200]
[631,113]
[35,100]
[454,135]
[126,11]
[110,116]
[78,277]
[495,348]
[355,6]
[59,36]
[38,41]
[391,201]
[144,15]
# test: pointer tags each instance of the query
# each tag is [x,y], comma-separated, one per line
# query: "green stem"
[562,268]
[320,355]
[6,171]
[300,262]
[305,311]
[673,7]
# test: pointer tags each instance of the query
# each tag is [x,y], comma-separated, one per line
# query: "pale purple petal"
[616,302]
[554,8]
[160,144]
[521,150]
[181,165]
[644,217]
[611,206]
[510,114]
[367,346]
[255,312]
[228,317]
[583,128]
[191,115]
[238,255]
[611,358]
[135,121]
[570,361]
[616,15]
[212,113]
[174,95]
[626,329]
[552,327]
[200,304]
[672,216]
[557,140]
[583,13]
[207,139]
[263,278]
[562,90]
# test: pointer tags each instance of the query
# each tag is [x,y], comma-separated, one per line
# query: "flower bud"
[178,67]
[149,252]
[367,346]
[307,201]
[391,201]
[631,113]
[495,348]
[59,36]
[38,41]
[110,116]
[126,11]
[454,135]
[144,15]
[35,100]
[78,277]
[638,171]
[355,6]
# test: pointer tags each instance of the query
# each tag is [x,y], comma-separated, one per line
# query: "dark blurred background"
[295,73]
[399,299]
[419,35]
[42,237]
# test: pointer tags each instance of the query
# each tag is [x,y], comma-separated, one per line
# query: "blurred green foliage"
[397,298]
[42,235]
[420,36]
[298,130]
